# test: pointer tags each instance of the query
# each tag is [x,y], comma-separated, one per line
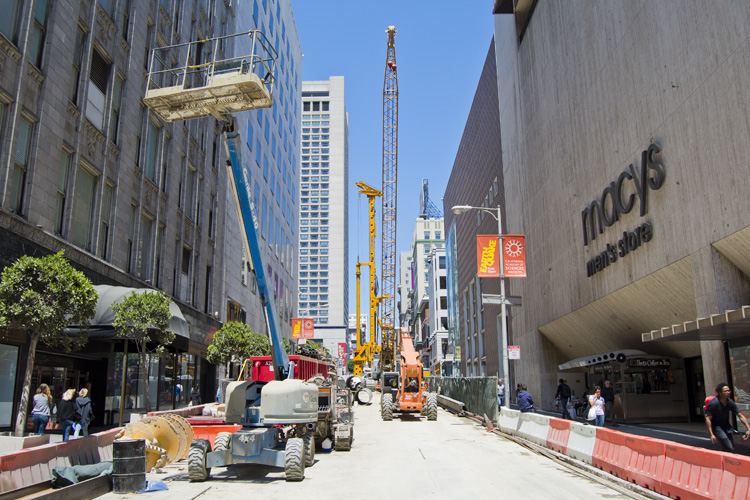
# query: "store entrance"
[696,388]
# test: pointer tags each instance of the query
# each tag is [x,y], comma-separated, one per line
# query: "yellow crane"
[366,351]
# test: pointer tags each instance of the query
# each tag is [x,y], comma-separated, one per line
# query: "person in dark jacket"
[66,413]
[608,393]
[83,409]
[195,396]
[525,402]
[563,393]
[718,412]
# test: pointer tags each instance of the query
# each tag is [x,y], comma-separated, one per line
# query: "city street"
[409,457]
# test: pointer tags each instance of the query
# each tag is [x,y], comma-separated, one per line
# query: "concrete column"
[719,286]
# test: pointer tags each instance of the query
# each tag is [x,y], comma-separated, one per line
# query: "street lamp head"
[459,209]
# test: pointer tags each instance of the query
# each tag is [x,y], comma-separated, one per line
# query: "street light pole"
[502,345]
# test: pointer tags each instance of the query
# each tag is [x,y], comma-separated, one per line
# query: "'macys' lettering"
[649,176]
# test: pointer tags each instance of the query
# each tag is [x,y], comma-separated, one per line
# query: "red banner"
[514,256]
[488,256]
[296,328]
[342,350]
[308,327]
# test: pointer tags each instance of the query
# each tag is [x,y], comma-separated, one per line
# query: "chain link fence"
[478,394]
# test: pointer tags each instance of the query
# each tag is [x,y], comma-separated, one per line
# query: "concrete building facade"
[134,201]
[475,180]
[625,154]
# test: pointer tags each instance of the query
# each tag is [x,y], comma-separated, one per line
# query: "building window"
[24,130]
[152,150]
[38,31]
[97,90]
[105,221]
[9,19]
[114,120]
[108,6]
[125,26]
[190,193]
[62,189]
[146,250]
[131,236]
[83,208]
[211,208]
[185,273]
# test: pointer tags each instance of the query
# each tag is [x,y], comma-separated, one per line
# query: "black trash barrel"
[128,465]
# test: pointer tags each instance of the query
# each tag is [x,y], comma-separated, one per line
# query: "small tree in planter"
[144,319]
[236,342]
[41,297]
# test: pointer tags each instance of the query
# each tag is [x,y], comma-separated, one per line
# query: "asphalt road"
[408,458]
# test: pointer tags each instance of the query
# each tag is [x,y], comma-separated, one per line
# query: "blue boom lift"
[278,418]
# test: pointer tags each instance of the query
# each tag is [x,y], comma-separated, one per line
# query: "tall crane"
[390,175]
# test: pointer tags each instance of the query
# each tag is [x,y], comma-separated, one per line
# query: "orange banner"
[308,327]
[488,256]
[296,328]
[514,256]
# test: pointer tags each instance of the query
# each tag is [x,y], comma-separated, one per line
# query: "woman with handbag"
[596,408]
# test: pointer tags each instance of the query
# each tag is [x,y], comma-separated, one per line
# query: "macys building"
[625,160]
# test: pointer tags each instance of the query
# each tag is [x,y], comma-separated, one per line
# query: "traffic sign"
[514,352]
[493,299]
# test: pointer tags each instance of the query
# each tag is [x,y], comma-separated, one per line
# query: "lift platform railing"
[197,79]
[193,72]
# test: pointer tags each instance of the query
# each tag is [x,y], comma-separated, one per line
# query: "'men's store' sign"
[604,212]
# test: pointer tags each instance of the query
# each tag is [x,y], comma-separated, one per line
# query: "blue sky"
[440,50]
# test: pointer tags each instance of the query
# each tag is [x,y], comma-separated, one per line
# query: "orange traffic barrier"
[691,473]
[558,435]
[210,431]
[645,463]
[610,451]
[735,480]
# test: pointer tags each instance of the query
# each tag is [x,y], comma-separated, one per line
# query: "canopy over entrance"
[596,359]
[101,324]
[727,326]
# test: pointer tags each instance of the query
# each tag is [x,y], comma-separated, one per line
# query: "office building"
[324,211]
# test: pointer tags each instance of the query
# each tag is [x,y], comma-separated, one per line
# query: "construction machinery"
[406,391]
[390,176]
[366,351]
[278,417]
[167,438]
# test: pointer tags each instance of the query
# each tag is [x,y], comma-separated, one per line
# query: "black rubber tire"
[309,441]
[197,470]
[386,410]
[223,441]
[294,460]
[431,411]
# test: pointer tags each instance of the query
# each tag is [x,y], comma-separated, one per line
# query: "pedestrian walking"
[525,401]
[66,413]
[42,408]
[718,411]
[563,394]
[596,408]
[85,413]
[608,393]
[500,393]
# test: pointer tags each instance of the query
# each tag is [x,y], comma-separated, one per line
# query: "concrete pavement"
[409,457]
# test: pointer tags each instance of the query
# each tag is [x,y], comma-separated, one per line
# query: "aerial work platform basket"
[195,79]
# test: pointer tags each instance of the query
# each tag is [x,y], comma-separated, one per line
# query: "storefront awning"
[727,326]
[597,359]
[101,324]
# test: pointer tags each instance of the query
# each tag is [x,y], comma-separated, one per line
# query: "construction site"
[299,424]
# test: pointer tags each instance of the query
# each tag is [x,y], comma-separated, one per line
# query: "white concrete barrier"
[508,421]
[581,442]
